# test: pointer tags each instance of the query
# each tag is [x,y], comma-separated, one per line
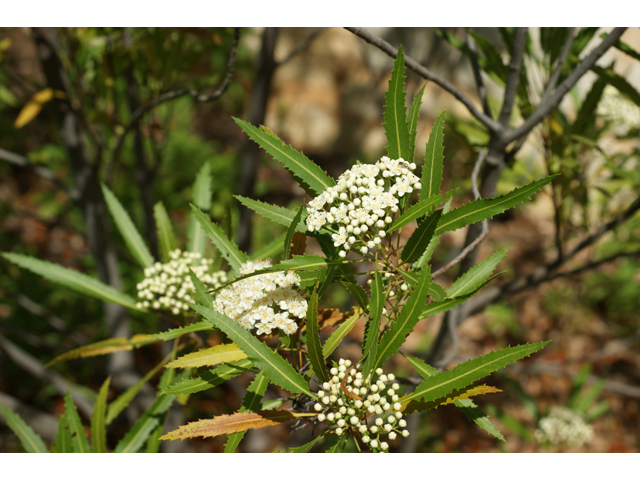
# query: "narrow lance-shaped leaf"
[370,343]
[358,293]
[230,252]
[30,440]
[435,308]
[406,320]
[202,296]
[129,233]
[418,210]
[209,357]
[426,256]
[144,426]
[271,249]
[485,208]
[314,348]
[281,215]
[420,238]
[290,231]
[63,437]
[395,113]
[104,347]
[461,394]
[79,441]
[309,175]
[275,367]
[178,332]
[166,239]
[476,275]
[466,373]
[433,161]
[201,199]
[73,279]
[98,424]
[338,335]
[412,123]
[207,380]
[307,446]
[251,403]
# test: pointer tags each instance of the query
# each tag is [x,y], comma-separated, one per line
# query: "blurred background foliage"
[322,91]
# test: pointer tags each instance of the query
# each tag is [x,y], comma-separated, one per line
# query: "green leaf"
[358,293]
[420,238]
[269,362]
[154,442]
[336,337]
[270,250]
[251,403]
[421,367]
[337,446]
[433,161]
[395,113]
[590,397]
[412,123]
[309,175]
[485,208]
[314,348]
[476,276]
[79,441]
[426,257]
[129,233]
[30,440]
[576,387]
[166,239]
[207,380]
[209,356]
[230,252]
[290,231]
[72,279]
[98,426]
[406,320]
[437,293]
[63,437]
[281,215]
[177,332]
[202,294]
[201,199]
[473,412]
[466,373]
[418,210]
[372,330]
[621,84]
[435,308]
[306,447]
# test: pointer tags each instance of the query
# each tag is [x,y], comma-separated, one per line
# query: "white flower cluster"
[618,108]
[370,408]
[563,426]
[168,285]
[362,203]
[263,301]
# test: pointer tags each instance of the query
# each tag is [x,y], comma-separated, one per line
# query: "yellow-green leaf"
[209,357]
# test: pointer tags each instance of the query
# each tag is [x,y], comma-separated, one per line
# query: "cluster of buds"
[265,302]
[388,277]
[363,405]
[563,426]
[362,204]
[168,285]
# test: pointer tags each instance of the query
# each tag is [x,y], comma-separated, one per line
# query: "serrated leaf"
[177,332]
[358,293]
[436,292]
[290,231]
[30,440]
[73,279]
[412,123]
[166,239]
[485,208]
[433,161]
[372,332]
[466,373]
[104,347]
[309,175]
[337,445]
[275,367]
[230,252]
[435,308]
[129,233]
[237,422]
[420,238]
[98,425]
[406,320]
[476,275]
[426,257]
[421,367]
[418,210]
[270,250]
[153,442]
[202,199]
[306,447]
[395,113]
[63,437]
[207,380]
[314,348]
[251,403]
[461,394]
[281,215]
[79,441]
[202,295]
[209,357]
[473,412]
[336,337]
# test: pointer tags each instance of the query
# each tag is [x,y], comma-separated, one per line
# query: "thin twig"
[386,47]
[553,79]
[513,76]
[301,47]
[477,74]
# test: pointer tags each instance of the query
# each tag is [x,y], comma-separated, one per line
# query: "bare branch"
[513,77]
[386,47]
[553,79]
[552,101]
[477,74]
[302,46]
